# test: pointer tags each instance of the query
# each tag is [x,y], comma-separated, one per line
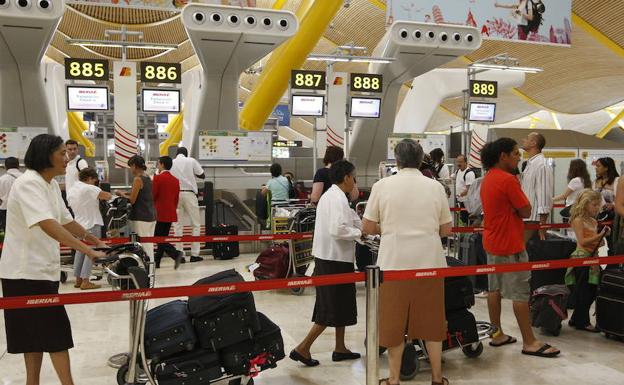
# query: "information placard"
[235,146]
[87,98]
[160,100]
[427,141]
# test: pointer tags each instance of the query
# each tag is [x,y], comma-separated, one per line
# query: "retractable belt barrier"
[275,284]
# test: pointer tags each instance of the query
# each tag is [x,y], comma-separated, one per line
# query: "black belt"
[188,191]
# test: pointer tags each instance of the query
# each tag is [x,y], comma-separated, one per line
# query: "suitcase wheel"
[473,350]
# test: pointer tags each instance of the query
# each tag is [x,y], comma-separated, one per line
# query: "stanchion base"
[118,360]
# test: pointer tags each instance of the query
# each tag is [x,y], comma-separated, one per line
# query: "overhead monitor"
[307,105]
[87,98]
[365,108]
[160,100]
[482,112]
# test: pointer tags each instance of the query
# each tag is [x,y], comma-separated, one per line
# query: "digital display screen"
[86,69]
[365,108]
[366,83]
[483,89]
[307,105]
[482,112]
[161,72]
[307,80]
[81,98]
[160,100]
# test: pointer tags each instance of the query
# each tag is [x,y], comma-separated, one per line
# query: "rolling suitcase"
[458,291]
[553,247]
[260,353]
[549,307]
[272,262]
[461,329]
[193,368]
[476,256]
[223,320]
[168,331]
[224,250]
[610,303]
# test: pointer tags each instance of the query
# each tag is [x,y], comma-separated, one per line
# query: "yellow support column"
[76,126]
[174,128]
[613,123]
[291,55]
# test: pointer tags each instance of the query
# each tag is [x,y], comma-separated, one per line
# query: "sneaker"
[86,285]
[196,259]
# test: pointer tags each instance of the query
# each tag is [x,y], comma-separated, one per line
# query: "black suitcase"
[610,314]
[553,248]
[264,350]
[225,250]
[168,331]
[476,256]
[458,291]
[461,329]
[194,368]
[223,320]
[363,257]
[612,281]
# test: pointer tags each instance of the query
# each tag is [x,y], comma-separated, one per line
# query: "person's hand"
[94,254]
[542,234]
[101,244]
[606,231]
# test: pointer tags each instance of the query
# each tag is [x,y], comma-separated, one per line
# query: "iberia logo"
[338,81]
[125,71]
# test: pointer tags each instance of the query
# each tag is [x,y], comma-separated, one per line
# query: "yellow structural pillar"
[291,55]
[76,126]
[174,128]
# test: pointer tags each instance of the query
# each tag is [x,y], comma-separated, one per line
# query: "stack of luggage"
[208,337]
[610,303]
[549,295]
[458,298]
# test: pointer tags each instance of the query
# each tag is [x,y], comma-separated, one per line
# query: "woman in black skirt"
[336,229]
[37,220]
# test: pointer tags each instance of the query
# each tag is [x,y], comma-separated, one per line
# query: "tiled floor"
[100,330]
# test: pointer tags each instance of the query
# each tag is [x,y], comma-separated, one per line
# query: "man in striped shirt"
[537,182]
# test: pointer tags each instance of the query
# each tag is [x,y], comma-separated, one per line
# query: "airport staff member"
[37,221]
[186,169]
[6,181]
[166,192]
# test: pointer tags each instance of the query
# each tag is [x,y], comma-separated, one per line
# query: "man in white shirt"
[6,182]
[75,164]
[464,177]
[186,169]
[537,182]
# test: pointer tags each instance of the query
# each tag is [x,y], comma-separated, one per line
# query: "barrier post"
[373,282]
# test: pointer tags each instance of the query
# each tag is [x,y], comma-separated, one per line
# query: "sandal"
[541,352]
[445,381]
[387,382]
[509,340]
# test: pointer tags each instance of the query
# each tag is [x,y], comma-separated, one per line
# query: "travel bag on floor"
[461,329]
[272,262]
[458,291]
[477,256]
[549,307]
[225,250]
[260,353]
[168,331]
[223,320]
[553,248]
[193,368]
[612,281]
[610,303]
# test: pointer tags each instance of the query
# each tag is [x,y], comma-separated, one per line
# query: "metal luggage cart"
[416,351]
[301,219]
[128,267]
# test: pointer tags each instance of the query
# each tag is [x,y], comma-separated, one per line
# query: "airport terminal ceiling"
[581,79]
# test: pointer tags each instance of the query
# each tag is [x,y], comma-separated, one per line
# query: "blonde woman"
[585,279]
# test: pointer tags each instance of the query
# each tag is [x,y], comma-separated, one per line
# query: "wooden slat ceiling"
[584,78]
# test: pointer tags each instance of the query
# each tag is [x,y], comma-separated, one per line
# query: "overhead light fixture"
[121,44]
[486,66]
[349,58]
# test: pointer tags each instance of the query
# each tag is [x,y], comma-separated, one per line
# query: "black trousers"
[162,230]
[584,295]
[464,215]
[3,220]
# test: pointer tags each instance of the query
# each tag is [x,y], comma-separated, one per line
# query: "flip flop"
[509,340]
[541,352]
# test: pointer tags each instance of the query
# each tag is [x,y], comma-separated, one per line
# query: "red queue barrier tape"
[264,285]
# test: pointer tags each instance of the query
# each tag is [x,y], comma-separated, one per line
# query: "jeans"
[82,263]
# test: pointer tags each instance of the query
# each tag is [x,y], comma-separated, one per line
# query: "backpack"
[475,171]
[538,15]
[473,198]
[549,307]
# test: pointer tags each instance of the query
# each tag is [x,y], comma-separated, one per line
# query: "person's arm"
[506,6]
[317,191]
[469,179]
[341,227]
[264,190]
[63,234]
[137,185]
[524,212]
[519,200]
[370,228]
[155,188]
[446,230]
[563,196]
[354,194]
[198,170]
[371,218]
[105,196]
[581,239]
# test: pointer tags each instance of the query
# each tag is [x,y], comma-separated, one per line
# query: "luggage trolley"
[295,218]
[416,351]
[128,267]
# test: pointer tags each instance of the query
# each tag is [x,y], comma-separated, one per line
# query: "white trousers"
[145,229]
[188,207]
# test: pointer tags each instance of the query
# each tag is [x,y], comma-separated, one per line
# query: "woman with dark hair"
[322,182]
[606,180]
[143,215]
[440,169]
[578,180]
[278,185]
[37,222]
[337,227]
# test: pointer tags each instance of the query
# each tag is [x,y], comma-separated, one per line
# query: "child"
[588,240]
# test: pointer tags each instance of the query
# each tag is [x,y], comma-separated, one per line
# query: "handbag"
[565,212]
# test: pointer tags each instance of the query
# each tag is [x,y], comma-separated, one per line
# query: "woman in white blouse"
[578,180]
[335,230]
[37,220]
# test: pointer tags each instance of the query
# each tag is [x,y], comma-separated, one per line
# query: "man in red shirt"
[166,192]
[504,207]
